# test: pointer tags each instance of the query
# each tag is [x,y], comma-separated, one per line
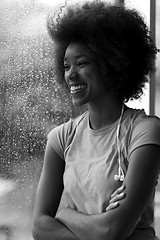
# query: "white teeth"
[74,88]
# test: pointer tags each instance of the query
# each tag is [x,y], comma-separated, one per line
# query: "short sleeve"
[57,138]
[146,130]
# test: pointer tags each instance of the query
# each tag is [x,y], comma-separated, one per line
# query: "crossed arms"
[117,223]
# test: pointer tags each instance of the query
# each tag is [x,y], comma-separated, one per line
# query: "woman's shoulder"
[61,136]
[141,129]
[145,129]
[146,122]
[70,126]
[140,124]
[139,119]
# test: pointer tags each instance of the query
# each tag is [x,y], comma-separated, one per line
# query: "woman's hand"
[115,198]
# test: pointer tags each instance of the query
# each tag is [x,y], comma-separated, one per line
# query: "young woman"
[100,169]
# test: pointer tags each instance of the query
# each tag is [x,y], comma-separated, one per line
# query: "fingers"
[117,197]
[112,206]
[118,191]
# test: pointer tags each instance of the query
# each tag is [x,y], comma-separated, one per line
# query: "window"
[30,105]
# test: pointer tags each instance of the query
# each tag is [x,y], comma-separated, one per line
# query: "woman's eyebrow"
[77,56]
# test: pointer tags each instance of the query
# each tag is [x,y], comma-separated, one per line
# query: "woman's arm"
[49,228]
[139,184]
[48,195]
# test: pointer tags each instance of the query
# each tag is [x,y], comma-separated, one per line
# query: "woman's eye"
[83,63]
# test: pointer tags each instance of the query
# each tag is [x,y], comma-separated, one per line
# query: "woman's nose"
[72,74]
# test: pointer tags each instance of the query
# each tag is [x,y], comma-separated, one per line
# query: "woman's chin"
[78,103]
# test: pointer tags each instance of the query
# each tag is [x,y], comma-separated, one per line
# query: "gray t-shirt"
[92,159]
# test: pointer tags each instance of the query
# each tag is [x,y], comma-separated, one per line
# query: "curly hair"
[118,37]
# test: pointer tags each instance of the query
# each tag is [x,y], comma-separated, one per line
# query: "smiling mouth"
[78,88]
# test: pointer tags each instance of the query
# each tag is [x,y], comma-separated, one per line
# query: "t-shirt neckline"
[106,129]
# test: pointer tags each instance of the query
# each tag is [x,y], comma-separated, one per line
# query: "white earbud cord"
[120,175]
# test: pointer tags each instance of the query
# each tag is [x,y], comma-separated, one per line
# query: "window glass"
[31,103]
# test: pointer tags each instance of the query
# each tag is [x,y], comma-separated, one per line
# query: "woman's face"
[81,75]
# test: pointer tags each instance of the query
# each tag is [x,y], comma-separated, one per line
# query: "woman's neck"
[104,113]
